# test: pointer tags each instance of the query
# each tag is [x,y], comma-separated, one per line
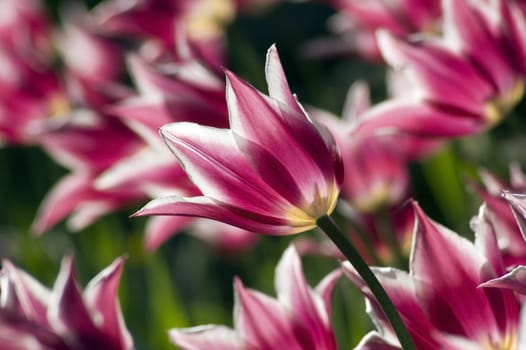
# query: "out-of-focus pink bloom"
[94,63]
[30,90]
[86,139]
[509,238]
[28,96]
[300,317]
[87,143]
[180,90]
[202,20]
[26,30]
[65,318]
[440,299]
[357,22]
[460,84]
[517,202]
[272,172]
[376,172]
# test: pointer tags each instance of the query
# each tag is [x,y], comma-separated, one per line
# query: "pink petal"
[325,287]
[215,164]
[441,75]
[280,140]
[357,101]
[374,341]
[261,320]
[518,207]
[278,87]
[514,280]
[468,27]
[208,208]
[307,311]
[101,298]
[67,312]
[160,228]
[61,201]
[447,269]
[485,239]
[417,119]
[210,337]
[400,287]
[28,294]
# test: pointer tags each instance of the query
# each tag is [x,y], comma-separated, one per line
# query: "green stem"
[342,242]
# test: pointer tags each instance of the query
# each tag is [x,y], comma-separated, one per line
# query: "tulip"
[440,299]
[299,318]
[65,318]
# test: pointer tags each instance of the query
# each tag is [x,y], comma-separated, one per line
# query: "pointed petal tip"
[271,51]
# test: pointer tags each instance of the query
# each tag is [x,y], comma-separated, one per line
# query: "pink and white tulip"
[65,317]
[356,22]
[460,84]
[511,242]
[272,172]
[440,299]
[173,89]
[300,317]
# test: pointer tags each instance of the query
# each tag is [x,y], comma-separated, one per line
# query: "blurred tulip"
[87,143]
[509,238]
[461,84]
[30,89]
[175,89]
[356,23]
[162,20]
[298,319]
[65,318]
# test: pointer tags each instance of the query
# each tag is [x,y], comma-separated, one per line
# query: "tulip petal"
[212,337]
[160,228]
[467,27]
[262,319]
[374,341]
[101,298]
[441,76]
[67,311]
[286,134]
[278,88]
[400,287]
[518,207]
[208,208]
[448,284]
[307,310]
[31,296]
[215,164]
[514,280]
[417,119]
[61,201]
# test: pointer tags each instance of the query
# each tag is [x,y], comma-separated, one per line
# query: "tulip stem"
[342,242]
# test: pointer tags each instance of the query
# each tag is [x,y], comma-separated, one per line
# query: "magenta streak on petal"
[260,319]
[286,134]
[101,296]
[445,76]
[447,284]
[208,208]
[214,163]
